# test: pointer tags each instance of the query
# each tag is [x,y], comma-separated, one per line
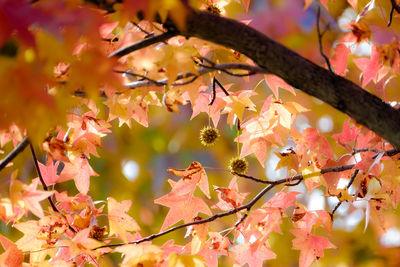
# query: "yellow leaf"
[185,261]
[288,160]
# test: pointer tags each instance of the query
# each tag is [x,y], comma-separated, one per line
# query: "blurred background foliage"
[133,162]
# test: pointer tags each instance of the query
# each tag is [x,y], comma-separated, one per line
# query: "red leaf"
[80,171]
[12,256]
[32,197]
[49,171]
[274,83]
[184,207]
[282,200]
[253,254]
[193,176]
[348,134]
[339,60]
[311,246]
[229,198]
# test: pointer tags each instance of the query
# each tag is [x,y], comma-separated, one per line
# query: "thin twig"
[298,177]
[148,34]
[247,207]
[395,5]
[320,35]
[201,71]
[271,184]
[143,77]
[53,206]
[214,90]
[352,178]
[35,161]
[18,149]
[391,16]
[143,43]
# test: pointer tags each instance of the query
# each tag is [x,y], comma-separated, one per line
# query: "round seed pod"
[208,136]
[238,165]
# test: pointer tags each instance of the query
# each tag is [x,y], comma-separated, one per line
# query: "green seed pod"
[238,165]
[208,136]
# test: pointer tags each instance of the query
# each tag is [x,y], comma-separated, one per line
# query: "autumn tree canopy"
[199,133]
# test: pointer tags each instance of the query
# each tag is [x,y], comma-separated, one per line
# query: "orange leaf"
[311,246]
[119,221]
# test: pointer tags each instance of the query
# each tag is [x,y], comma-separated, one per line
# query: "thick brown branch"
[299,72]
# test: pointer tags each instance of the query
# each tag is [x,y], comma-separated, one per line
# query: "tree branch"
[271,184]
[224,67]
[320,35]
[18,149]
[352,178]
[143,43]
[299,72]
[53,206]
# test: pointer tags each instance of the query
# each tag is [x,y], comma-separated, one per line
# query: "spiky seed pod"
[238,165]
[208,136]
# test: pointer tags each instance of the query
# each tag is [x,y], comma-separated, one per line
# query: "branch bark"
[340,93]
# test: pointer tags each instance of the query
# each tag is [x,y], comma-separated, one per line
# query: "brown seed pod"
[238,165]
[208,136]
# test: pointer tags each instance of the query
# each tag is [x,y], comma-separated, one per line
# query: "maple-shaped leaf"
[80,248]
[49,171]
[262,222]
[236,103]
[27,197]
[369,163]
[316,141]
[332,178]
[310,220]
[339,60]
[119,221]
[29,242]
[270,127]
[214,110]
[80,171]
[311,246]
[253,254]
[215,245]
[185,207]
[287,159]
[274,83]
[193,176]
[12,256]
[369,66]
[282,200]
[32,197]
[229,198]
[13,133]
[349,134]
